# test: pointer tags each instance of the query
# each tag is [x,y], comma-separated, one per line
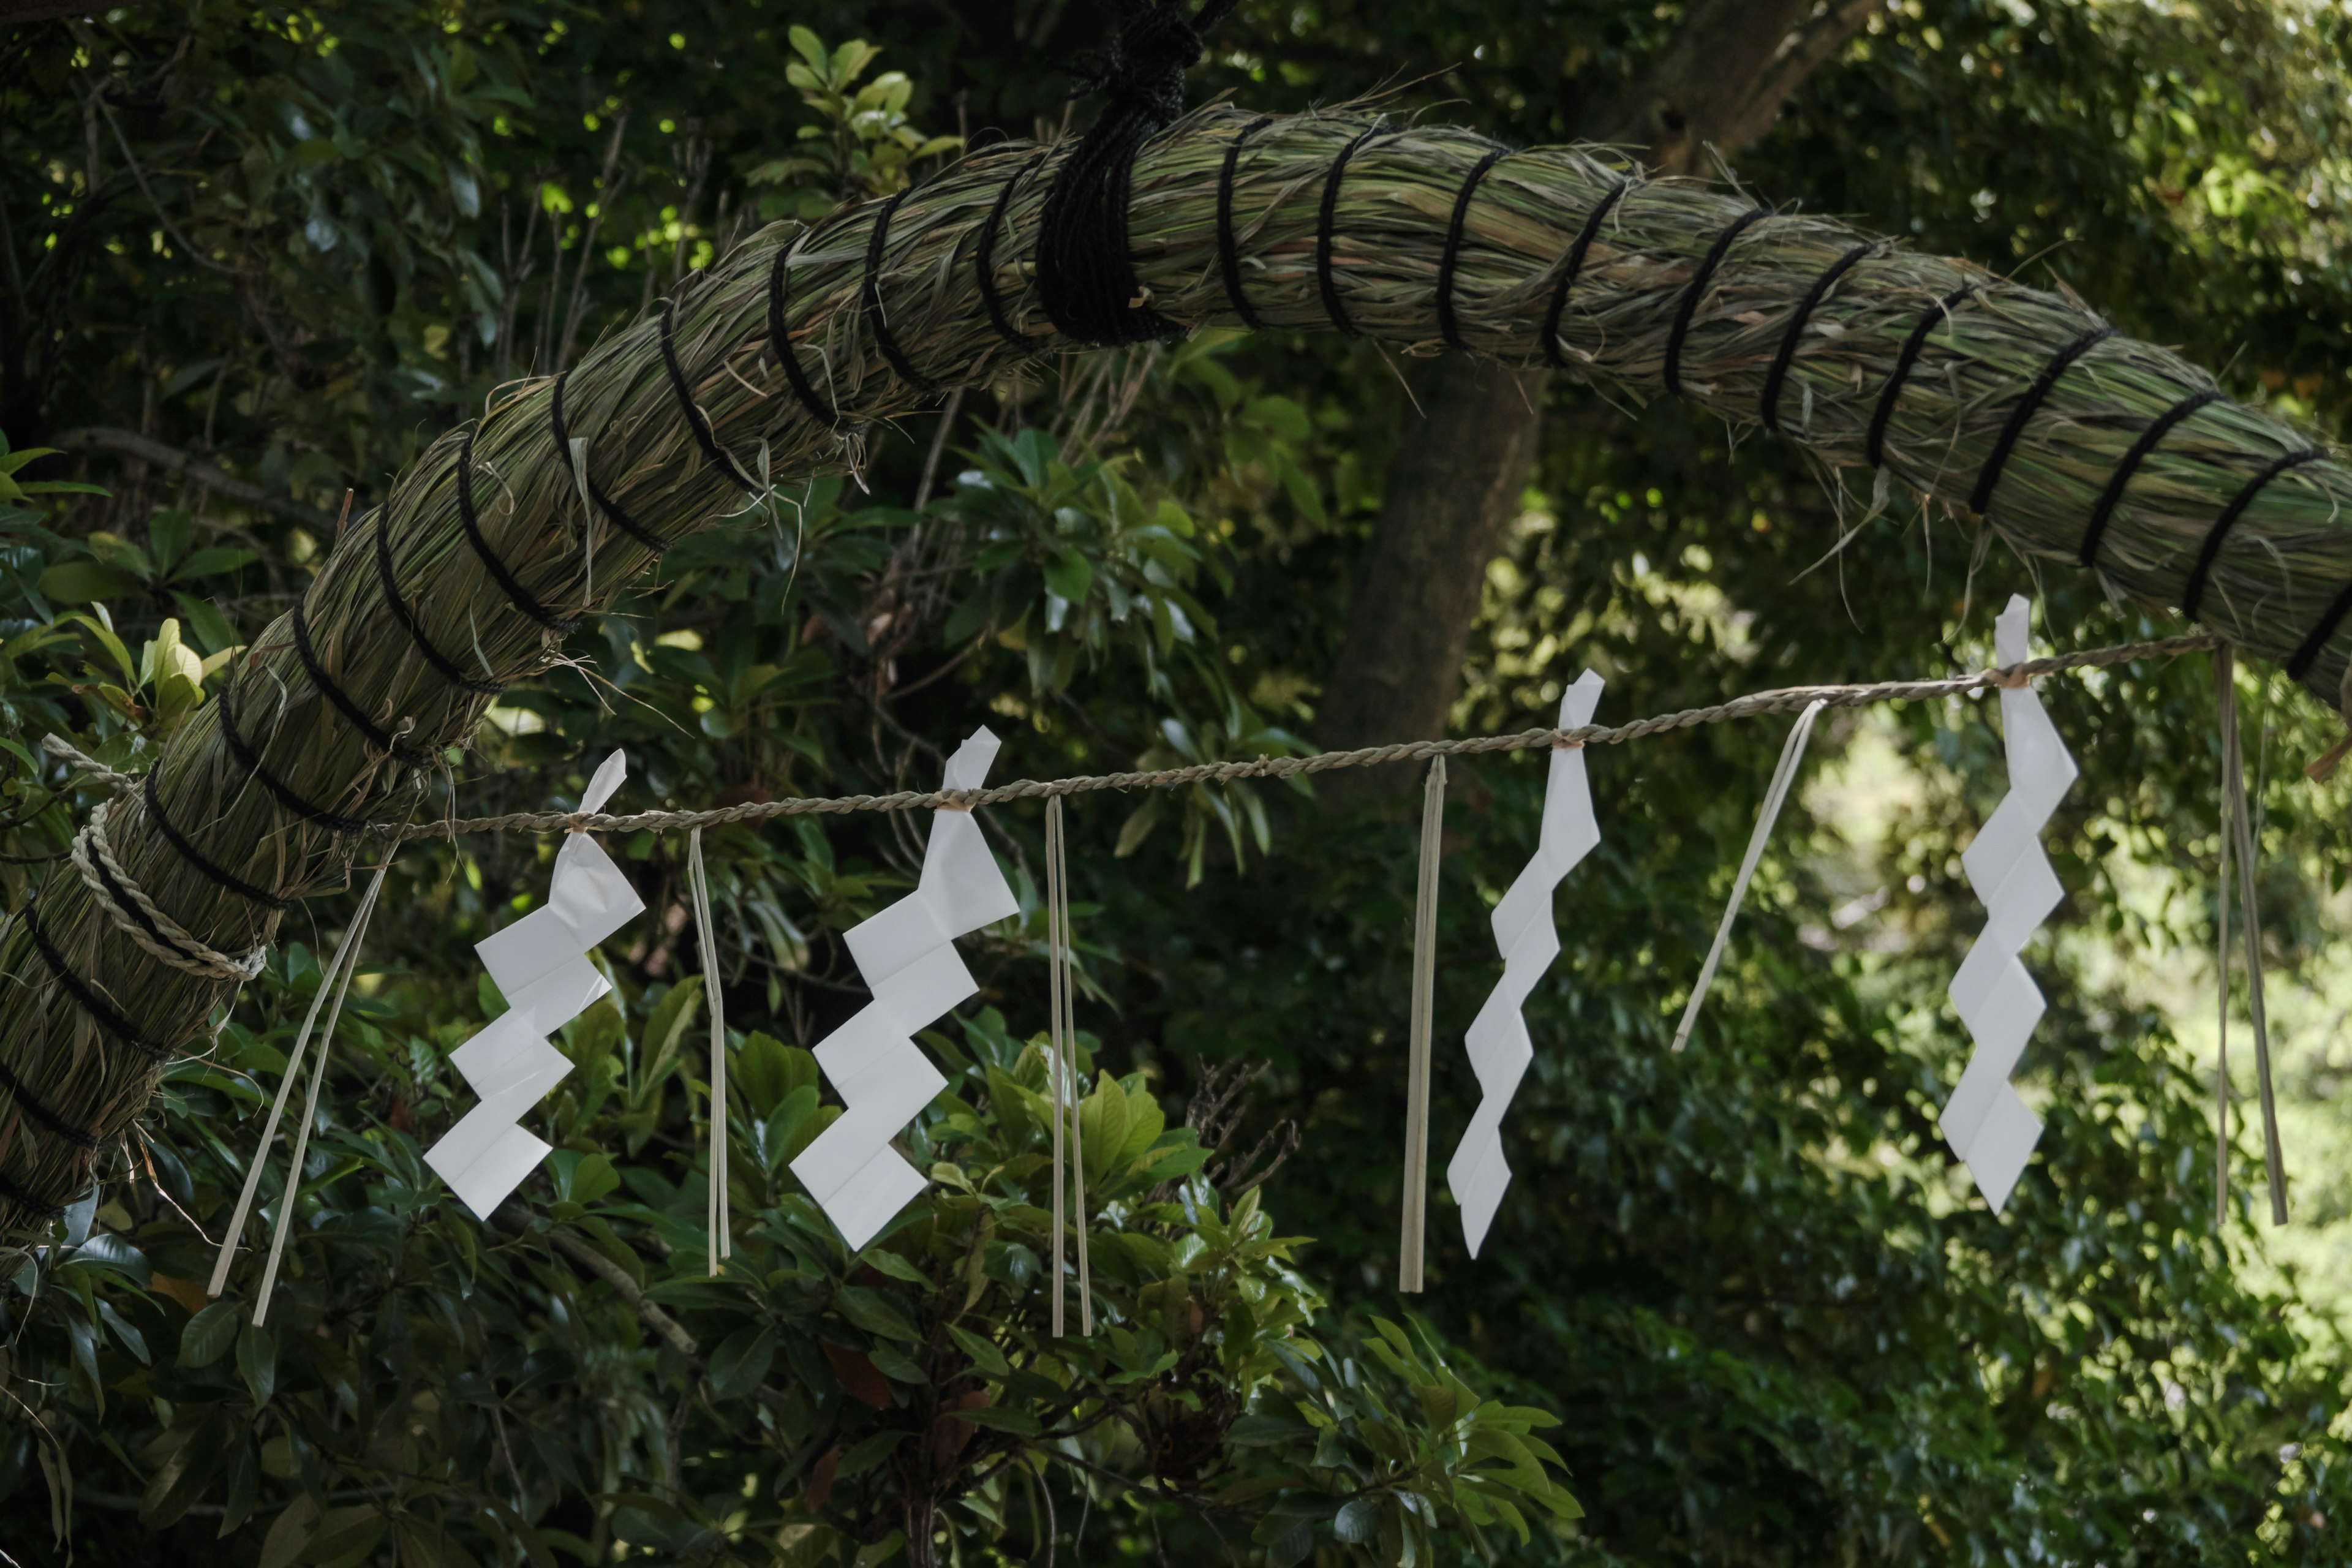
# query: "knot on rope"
[1083,278]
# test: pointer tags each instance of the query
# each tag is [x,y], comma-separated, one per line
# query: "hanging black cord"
[984,255]
[1573,268]
[1779,375]
[603,502]
[2193,595]
[1874,447]
[1447,327]
[1697,291]
[1229,260]
[2114,494]
[1083,274]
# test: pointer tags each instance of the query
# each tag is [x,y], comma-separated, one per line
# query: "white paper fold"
[1985,1123]
[539,965]
[1497,1043]
[907,957]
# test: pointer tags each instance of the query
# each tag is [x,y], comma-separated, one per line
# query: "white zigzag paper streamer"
[1497,1043]
[540,965]
[1985,1123]
[906,954]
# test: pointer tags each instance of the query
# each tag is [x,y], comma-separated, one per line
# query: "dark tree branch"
[130,444]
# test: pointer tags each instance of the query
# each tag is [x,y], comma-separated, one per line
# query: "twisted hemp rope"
[164,938]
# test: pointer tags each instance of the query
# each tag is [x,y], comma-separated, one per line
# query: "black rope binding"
[1573,266]
[696,420]
[1229,260]
[521,598]
[2109,498]
[1697,291]
[377,735]
[106,1017]
[2308,654]
[25,1200]
[1083,274]
[250,759]
[1781,361]
[2193,595]
[218,876]
[22,1092]
[1324,282]
[780,341]
[114,890]
[1874,446]
[1447,327]
[596,496]
[985,257]
[447,669]
[870,296]
[1989,476]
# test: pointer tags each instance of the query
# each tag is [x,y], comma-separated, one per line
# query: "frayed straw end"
[2319,772]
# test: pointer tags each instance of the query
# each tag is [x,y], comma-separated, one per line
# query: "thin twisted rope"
[162,937]
[1755,705]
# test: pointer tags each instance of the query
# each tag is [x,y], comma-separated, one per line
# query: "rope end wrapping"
[1085,278]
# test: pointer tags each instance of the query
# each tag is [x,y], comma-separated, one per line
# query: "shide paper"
[907,957]
[1498,1047]
[1985,1123]
[540,966]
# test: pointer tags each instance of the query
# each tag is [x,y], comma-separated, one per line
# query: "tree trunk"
[1469,451]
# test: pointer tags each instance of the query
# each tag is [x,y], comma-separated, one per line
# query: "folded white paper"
[1498,1047]
[539,965]
[907,957]
[1985,1123]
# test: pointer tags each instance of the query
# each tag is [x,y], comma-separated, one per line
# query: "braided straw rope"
[1753,706]
[158,933]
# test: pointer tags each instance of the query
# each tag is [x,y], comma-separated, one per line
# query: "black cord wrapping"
[2114,494]
[1697,291]
[870,296]
[112,1022]
[2193,595]
[985,258]
[1447,327]
[521,598]
[1083,274]
[1778,374]
[23,1094]
[2308,654]
[25,1200]
[441,662]
[377,736]
[1874,447]
[603,502]
[1324,282]
[1229,260]
[115,890]
[696,420]
[1989,476]
[250,759]
[218,876]
[1573,268]
[780,342]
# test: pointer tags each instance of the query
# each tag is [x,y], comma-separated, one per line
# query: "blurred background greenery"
[258,257]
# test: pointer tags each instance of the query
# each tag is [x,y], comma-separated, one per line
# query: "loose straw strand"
[1793,751]
[347,951]
[285,1204]
[1425,993]
[1056,1068]
[1058,882]
[2234,766]
[718,1220]
[2224,704]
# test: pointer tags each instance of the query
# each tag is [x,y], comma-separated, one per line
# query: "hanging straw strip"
[718,1220]
[2238,824]
[1793,751]
[1755,705]
[1425,997]
[336,980]
[1064,1038]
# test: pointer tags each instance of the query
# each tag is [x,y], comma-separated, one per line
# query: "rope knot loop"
[1083,276]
